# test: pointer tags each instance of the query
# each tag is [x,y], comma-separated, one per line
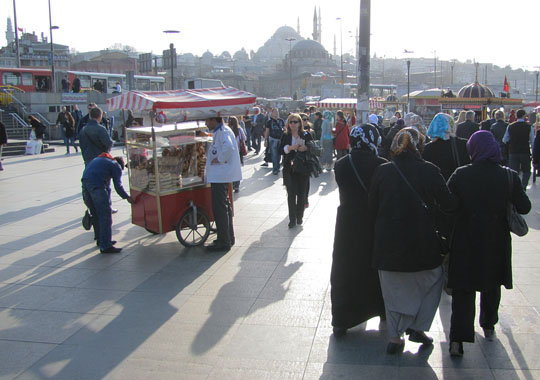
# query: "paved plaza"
[261,311]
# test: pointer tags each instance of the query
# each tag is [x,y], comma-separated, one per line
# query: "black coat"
[355,288]
[39,128]
[466,129]
[439,153]
[480,258]
[286,139]
[3,134]
[404,238]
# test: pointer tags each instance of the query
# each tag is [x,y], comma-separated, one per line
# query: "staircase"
[14,129]
[18,148]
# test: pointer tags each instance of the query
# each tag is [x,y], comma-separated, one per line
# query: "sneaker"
[112,249]
[456,349]
[264,164]
[275,172]
[218,246]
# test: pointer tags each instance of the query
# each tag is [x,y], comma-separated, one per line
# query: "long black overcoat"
[404,238]
[481,255]
[355,288]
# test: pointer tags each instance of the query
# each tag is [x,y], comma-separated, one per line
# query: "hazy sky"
[501,32]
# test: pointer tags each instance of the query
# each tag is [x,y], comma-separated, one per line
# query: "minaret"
[298,26]
[10,36]
[320,27]
[315,34]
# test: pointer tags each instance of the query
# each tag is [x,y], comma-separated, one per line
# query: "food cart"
[166,160]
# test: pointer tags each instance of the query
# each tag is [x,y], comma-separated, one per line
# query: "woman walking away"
[480,259]
[327,140]
[356,292]
[295,178]
[240,139]
[342,135]
[406,248]
[446,151]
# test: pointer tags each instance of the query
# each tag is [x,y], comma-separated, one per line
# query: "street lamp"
[341,56]
[434,68]
[51,28]
[172,55]
[290,39]
[408,86]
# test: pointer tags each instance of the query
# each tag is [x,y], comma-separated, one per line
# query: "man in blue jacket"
[94,138]
[96,192]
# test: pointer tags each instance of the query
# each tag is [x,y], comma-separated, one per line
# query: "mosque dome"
[308,49]
[278,46]
[241,55]
[475,90]
[225,55]
[207,54]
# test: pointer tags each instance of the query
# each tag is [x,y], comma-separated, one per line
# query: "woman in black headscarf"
[355,293]
[480,258]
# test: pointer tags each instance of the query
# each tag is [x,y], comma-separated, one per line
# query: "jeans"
[297,187]
[248,138]
[221,207]
[68,140]
[97,199]
[274,146]
[256,140]
[521,162]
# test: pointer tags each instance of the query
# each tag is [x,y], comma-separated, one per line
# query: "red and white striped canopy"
[187,104]
[346,104]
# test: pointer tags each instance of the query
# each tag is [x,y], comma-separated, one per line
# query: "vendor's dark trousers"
[256,141]
[221,207]
[297,196]
[463,312]
[521,162]
[97,199]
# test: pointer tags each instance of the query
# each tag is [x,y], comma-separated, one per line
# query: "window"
[27,79]
[13,79]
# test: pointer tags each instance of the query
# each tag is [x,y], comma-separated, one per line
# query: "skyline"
[238,24]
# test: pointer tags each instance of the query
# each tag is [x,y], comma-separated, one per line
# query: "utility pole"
[362,105]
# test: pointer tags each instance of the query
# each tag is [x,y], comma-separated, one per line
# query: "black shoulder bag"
[516,222]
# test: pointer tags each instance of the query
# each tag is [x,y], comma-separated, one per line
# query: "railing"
[21,125]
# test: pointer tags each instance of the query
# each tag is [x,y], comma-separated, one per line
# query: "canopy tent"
[183,105]
[346,104]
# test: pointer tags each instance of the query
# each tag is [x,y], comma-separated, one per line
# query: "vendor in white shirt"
[222,168]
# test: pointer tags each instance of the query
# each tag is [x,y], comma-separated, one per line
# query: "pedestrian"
[499,129]
[77,116]
[307,128]
[512,117]
[446,151]
[117,88]
[317,125]
[293,141]
[222,168]
[94,138]
[96,182]
[272,135]
[258,123]
[240,139]
[520,137]
[468,127]
[389,137]
[480,258]
[3,141]
[341,133]
[35,142]
[327,140]
[355,289]
[76,86]
[84,120]
[65,85]
[249,128]
[406,248]
[67,125]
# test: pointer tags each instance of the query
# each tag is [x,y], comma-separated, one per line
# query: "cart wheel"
[192,231]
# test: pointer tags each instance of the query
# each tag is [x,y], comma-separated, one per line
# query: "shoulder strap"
[510,182]
[454,151]
[410,186]
[356,173]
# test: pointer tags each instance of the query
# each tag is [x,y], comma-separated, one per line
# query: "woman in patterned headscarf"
[406,249]
[355,290]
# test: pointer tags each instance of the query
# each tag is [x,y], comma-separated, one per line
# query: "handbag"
[300,164]
[87,221]
[443,242]
[242,147]
[516,222]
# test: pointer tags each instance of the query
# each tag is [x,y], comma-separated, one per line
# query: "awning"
[532,104]
[182,105]
[347,104]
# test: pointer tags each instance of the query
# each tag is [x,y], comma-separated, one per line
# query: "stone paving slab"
[260,311]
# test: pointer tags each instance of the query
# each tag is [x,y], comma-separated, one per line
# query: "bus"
[40,79]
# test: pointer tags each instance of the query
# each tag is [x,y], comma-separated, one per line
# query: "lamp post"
[362,105]
[51,28]
[290,39]
[172,55]
[408,86]
[341,56]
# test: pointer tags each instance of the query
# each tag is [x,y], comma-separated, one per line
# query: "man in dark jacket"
[94,138]
[499,129]
[317,125]
[258,122]
[77,116]
[468,127]
[520,136]
[96,191]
